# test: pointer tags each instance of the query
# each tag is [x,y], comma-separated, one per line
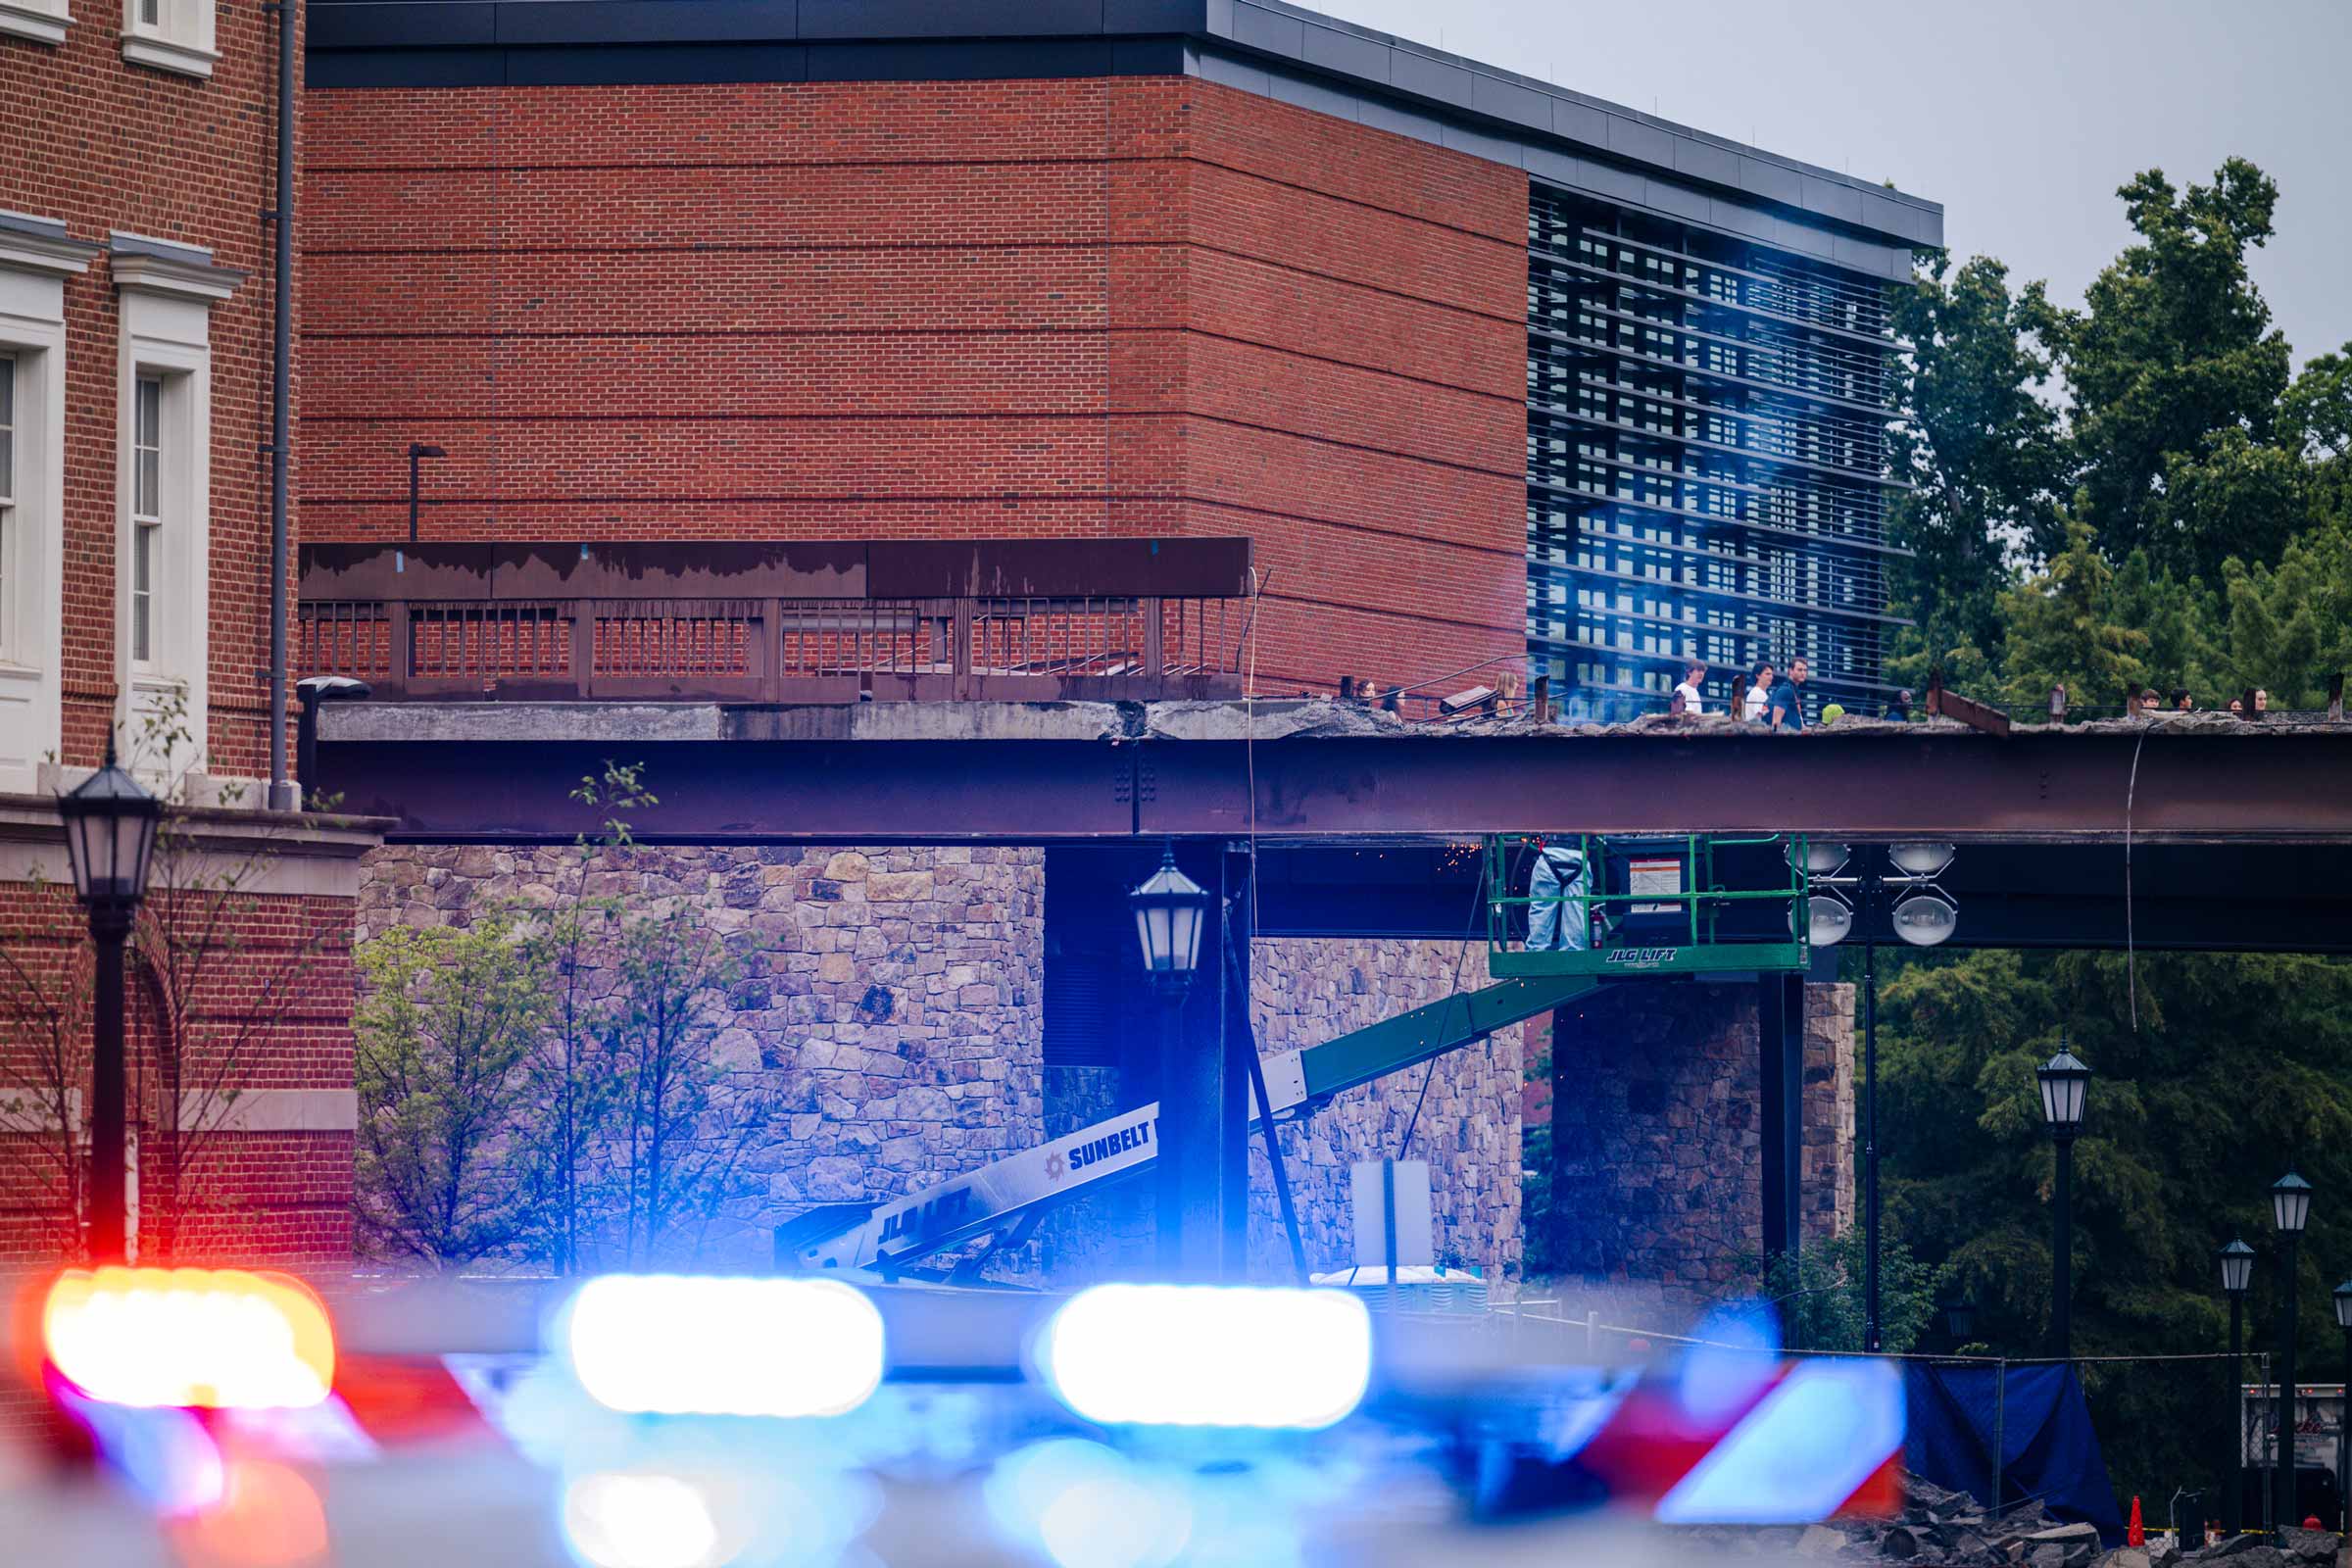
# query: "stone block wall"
[1656,1125]
[1106,1234]
[891,1006]
[1826,1187]
[890,1003]
[1305,991]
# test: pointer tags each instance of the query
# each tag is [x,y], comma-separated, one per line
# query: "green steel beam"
[1629,963]
[1433,1028]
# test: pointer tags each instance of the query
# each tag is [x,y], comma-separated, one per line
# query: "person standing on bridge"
[1788,698]
[1758,692]
[1689,694]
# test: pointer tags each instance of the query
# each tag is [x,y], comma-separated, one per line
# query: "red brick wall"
[983,309]
[277,1197]
[102,144]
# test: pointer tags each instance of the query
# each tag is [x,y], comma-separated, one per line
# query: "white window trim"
[41,20]
[35,260]
[166,330]
[180,41]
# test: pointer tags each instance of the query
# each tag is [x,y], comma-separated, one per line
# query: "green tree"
[2179,620]
[2318,410]
[2289,626]
[574,1080]
[683,1122]
[448,1017]
[2062,631]
[1979,445]
[2238,1068]
[2175,376]
[1821,1295]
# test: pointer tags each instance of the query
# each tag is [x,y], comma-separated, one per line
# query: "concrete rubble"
[1938,1527]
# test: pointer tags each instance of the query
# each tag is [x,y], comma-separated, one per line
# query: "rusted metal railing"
[796,622]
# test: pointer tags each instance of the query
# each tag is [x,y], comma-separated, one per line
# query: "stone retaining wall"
[1656,1109]
[891,1006]
[891,1001]
[1306,991]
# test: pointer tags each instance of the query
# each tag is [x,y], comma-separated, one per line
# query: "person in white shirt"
[1693,700]
[1751,706]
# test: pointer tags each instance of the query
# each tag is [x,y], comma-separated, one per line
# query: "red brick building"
[137,162]
[1488,370]
[1096,306]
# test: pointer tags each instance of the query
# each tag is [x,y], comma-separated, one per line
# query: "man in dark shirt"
[1787,708]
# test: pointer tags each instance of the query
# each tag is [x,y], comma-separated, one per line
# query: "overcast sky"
[2022,117]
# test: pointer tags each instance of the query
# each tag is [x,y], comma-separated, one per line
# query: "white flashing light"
[683,1345]
[217,1339]
[1206,1356]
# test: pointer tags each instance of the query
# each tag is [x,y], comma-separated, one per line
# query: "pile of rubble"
[1940,1529]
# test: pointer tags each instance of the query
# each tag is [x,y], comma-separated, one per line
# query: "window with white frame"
[35,259]
[146,516]
[163,442]
[169,34]
[41,20]
[7,496]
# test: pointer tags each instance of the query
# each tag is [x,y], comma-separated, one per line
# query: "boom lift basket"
[1570,903]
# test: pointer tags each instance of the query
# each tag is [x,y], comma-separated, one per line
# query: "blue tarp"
[2048,1449]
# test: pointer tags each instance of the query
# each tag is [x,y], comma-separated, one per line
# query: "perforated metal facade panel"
[1706,461]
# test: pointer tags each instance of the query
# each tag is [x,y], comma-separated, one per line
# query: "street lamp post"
[1960,1321]
[110,833]
[1922,916]
[1169,912]
[2238,1277]
[2065,1086]
[2290,1210]
[2344,1441]
[1870,1147]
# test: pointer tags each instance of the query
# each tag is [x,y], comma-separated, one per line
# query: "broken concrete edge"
[218,829]
[1266,719]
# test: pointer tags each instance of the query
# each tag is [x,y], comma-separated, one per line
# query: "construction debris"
[1937,1527]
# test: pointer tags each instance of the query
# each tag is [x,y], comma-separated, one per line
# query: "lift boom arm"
[881,1240]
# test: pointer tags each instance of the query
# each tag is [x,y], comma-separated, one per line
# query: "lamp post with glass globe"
[2343,1449]
[109,835]
[2238,1277]
[2342,1300]
[1170,910]
[2065,1086]
[2290,1211]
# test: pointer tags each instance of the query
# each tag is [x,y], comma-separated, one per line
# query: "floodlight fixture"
[1827,920]
[1920,860]
[1925,920]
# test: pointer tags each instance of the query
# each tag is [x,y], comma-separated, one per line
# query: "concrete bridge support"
[1659,1118]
